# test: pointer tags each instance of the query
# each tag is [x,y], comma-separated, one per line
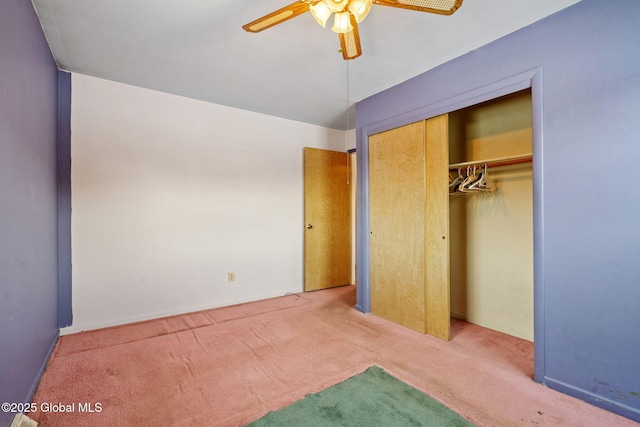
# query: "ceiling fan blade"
[350,42]
[274,18]
[443,7]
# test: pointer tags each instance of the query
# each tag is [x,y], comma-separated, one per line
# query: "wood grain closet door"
[397,220]
[437,269]
[409,219]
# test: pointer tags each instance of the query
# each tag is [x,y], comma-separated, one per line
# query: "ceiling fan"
[348,14]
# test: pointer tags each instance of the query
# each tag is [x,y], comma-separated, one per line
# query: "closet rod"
[500,161]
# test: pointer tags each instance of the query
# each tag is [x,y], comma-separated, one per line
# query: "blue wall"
[28,202]
[584,65]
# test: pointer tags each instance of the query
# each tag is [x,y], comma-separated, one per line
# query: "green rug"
[372,398]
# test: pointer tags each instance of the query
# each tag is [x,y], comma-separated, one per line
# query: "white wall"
[350,140]
[169,194]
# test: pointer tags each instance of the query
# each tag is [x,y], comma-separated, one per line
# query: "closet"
[439,250]
[491,246]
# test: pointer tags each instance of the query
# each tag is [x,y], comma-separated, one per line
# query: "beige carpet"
[230,366]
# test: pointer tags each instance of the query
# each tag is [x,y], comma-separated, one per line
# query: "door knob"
[309,226]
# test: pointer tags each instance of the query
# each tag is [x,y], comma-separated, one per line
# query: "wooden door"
[396,215]
[327,213]
[409,220]
[437,289]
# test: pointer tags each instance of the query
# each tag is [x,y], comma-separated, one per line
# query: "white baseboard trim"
[74,329]
[21,420]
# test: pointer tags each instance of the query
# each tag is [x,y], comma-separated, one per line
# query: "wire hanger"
[472,182]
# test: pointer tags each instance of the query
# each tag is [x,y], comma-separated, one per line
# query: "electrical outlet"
[231,276]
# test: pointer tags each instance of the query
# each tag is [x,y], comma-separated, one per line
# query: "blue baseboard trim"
[617,407]
[43,366]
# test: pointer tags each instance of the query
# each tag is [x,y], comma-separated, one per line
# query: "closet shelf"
[499,161]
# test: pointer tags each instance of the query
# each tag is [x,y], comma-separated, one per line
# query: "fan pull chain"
[346,131]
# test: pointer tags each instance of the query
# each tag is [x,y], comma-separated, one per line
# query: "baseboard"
[459,316]
[74,329]
[22,420]
[509,331]
[597,400]
[36,382]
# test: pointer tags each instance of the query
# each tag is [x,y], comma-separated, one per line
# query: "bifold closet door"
[408,184]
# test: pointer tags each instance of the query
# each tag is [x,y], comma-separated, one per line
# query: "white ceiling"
[197,49]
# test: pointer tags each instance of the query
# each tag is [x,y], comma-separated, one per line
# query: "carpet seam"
[173,332]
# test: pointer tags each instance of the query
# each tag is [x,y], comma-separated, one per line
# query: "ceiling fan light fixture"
[348,15]
[320,12]
[336,6]
[342,23]
[360,9]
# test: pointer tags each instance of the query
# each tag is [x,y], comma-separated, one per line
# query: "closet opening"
[491,215]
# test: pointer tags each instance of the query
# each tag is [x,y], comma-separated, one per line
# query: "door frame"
[531,79]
